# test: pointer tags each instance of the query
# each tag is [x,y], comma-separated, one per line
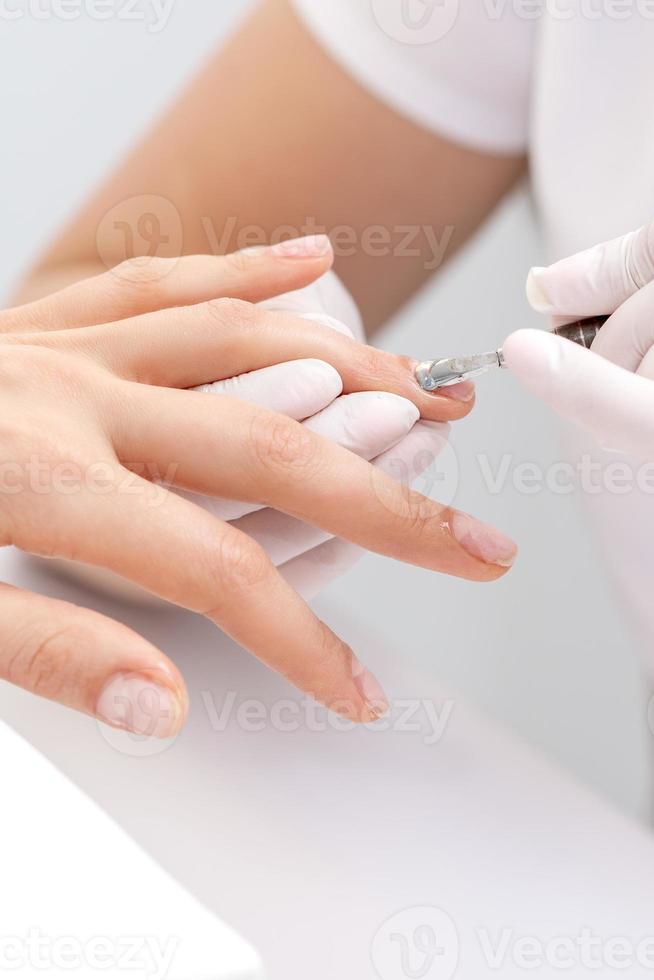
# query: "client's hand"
[609,389]
[95,417]
[376,425]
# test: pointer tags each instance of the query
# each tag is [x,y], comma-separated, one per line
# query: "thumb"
[90,663]
[596,281]
[617,407]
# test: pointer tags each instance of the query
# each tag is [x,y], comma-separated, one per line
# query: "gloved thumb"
[617,407]
[596,281]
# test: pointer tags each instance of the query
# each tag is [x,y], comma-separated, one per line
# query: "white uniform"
[568,81]
[572,84]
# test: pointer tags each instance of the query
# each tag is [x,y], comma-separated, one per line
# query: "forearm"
[295,146]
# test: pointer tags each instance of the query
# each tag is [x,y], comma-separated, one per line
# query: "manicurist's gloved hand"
[608,390]
[96,410]
[376,425]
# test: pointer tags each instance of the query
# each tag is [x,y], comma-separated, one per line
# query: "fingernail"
[536,295]
[483,541]
[462,392]
[137,704]
[370,690]
[311,247]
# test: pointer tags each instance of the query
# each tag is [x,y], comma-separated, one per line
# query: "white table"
[78,897]
[328,850]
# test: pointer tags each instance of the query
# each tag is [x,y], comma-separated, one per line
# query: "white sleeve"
[460,68]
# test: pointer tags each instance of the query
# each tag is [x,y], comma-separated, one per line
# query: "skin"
[299,145]
[105,409]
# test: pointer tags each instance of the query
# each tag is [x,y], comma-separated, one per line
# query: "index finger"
[147,284]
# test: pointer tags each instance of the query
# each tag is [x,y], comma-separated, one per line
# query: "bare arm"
[274,138]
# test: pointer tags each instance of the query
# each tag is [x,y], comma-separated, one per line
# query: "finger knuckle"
[419,513]
[239,263]
[234,313]
[42,660]
[283,446]
[34,366]
[142,277]
[238,565]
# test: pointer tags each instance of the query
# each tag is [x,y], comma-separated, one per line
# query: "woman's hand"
[609,389]
[95,419]
[377,425]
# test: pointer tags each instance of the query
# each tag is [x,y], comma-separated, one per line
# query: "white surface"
[78,896]
[546,651]
[308,839]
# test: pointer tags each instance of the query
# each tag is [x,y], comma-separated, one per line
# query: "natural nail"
[483,541]
[310,247]
[137,704]
[370,690]
[462,392]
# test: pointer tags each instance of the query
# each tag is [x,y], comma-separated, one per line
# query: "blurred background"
[546,651]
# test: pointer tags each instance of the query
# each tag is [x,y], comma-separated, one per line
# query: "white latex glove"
[378,426]
[608,390]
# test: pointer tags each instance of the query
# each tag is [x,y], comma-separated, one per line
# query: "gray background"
[546,650]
